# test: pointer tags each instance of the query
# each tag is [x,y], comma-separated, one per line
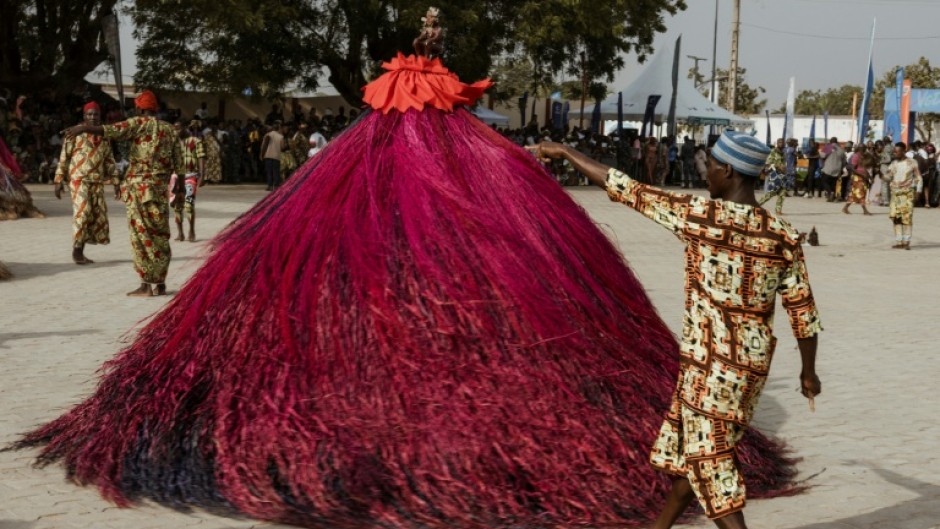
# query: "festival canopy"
[691,106]
[489,117]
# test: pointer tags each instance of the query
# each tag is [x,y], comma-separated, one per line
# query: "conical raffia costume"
[421,329]
[15,200]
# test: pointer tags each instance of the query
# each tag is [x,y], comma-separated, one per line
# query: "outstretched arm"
[595,171]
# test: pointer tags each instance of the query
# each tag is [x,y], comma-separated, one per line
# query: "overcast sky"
[822,43]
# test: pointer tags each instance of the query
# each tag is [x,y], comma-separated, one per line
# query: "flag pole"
[863,114]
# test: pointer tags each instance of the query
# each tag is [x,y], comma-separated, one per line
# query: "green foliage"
[836,101]
[746,98]
[228,45]
[47,47]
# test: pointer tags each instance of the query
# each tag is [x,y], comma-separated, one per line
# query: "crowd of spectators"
[32,129]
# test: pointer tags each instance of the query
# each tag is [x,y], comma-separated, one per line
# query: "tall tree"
[47,47]
[836,101]
[268,46]
[746,98]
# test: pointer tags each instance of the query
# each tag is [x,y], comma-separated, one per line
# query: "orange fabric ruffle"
[415,81]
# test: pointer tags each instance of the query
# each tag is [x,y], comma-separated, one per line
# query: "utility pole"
[714,93]
[735,33]
[695,68]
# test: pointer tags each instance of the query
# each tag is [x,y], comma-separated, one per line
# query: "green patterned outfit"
[87,164]
[154,153]
[184,201]
[776,178]
[738,259]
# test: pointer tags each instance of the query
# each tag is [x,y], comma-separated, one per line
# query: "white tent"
[691,106]
[491,118]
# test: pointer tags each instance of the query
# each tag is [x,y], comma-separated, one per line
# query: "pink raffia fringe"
[420,329]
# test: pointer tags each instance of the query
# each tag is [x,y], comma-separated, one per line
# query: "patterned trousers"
[90,219]
[701,449]
[149,227]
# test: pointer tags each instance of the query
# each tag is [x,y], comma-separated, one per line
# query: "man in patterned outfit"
[87,164]
[189,178]
[904,179]
[738,258]
[154,154]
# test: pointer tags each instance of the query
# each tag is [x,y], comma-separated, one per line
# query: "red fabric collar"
[415,81]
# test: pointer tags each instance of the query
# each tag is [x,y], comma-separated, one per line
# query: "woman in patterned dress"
[862,167]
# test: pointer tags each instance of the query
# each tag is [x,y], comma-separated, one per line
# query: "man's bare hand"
[547,151]
[59,188]
[810,386]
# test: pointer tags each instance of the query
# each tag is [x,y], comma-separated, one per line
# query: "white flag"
[791,101]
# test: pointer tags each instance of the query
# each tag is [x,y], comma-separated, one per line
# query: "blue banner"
[564,115]
[556,114]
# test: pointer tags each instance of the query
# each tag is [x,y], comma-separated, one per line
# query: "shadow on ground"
[29,270]
[15,524]
[11,336]
[922,512]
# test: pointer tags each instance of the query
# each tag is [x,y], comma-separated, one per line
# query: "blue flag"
[863,114]
[812,129]
[564,115]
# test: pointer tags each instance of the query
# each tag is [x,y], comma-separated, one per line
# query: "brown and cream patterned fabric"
[738,258]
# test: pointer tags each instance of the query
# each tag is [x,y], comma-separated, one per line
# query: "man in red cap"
[87,164]
[154,154]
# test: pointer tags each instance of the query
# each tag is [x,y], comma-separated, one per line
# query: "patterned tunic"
[904,178]
[154,154]
[738,258]
[87,164]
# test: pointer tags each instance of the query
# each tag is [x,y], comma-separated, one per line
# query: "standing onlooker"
[930,178]
[651,160]
[687,154]
[271,147]
[776,171]
[812,184]
[904,178]
[190,174]
[862,166]
[887,155]
[833,160]
[87,164]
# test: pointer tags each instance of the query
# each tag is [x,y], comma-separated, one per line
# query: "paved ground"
[870,451]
